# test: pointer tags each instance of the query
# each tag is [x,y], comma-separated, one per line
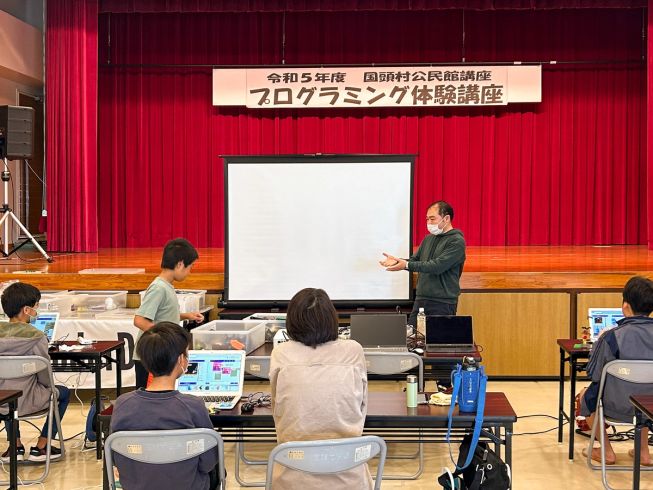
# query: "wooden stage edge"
[487,269]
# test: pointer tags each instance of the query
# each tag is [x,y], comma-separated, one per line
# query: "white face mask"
[434,229]
[32,319]
[184,369]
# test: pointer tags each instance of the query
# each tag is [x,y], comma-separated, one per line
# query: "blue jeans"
[62,402]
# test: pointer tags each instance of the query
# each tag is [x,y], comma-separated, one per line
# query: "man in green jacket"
[439,261]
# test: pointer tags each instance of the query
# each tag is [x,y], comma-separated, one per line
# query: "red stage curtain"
[567,171]
[71,124]
[178,6]
[649,139]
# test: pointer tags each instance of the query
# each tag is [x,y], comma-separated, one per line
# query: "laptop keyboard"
[454,350]
[385,349]
[218,399]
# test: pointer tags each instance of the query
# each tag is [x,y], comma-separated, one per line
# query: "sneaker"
[36,454]
[20,454]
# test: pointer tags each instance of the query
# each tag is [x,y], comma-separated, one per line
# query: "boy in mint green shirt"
[160,303]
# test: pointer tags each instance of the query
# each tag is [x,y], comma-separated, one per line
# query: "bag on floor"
[485,472]
[91,429]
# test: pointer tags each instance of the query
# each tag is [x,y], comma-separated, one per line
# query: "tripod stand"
[7,213]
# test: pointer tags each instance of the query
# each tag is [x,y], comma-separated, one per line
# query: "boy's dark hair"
[638,293]
[17,296]
[160,347]
[178,250]
[444,208]
[312,319]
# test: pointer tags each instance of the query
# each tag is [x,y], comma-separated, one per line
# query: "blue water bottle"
[469,386]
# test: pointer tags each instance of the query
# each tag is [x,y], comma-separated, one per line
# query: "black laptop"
[449,334]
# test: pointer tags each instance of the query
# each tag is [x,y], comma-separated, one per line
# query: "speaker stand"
[8,214]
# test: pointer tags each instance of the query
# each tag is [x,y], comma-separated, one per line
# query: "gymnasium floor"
[539,461]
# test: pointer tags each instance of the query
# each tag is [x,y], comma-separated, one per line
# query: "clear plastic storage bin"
[229,335]
[273,323]
[56,302]
[117,314]
[97,300]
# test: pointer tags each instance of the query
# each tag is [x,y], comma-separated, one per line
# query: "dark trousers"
[430,308]
[141,374]
[62,404]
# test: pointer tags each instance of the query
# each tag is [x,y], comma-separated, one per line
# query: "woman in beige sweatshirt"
[319,389]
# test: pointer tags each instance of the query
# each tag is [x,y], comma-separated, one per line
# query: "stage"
[487,268]
[522,299]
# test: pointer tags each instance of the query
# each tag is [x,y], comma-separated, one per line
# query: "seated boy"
[19,338]
[631,339]
[163,350]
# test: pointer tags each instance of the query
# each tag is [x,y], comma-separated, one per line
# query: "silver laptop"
[217,376]
[46,322]
[602,319]
[449,334]
[380,333]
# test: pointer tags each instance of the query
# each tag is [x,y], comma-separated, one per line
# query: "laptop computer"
[46,322]
[449,334]
[602,319]
[379,333]
[217,376]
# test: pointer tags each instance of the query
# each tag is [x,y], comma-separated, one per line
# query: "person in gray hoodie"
[632,339]
[19,338]
[439,261]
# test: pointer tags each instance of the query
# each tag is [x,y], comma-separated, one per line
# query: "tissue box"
[280,337]
[229,335]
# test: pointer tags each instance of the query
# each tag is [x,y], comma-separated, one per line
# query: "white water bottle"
[421,322]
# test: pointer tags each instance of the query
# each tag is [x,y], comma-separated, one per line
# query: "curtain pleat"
[71,124]
[567,171]
[183,6]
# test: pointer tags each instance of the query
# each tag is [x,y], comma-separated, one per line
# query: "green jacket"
[439,260]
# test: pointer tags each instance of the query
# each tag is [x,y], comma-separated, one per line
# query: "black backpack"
[485,472]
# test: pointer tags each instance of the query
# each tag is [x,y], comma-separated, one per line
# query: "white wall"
[21,70]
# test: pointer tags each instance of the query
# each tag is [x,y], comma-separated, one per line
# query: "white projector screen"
[296,222]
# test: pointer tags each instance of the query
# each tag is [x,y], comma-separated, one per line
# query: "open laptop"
[449,334]
[379,333]
[46,322]
[217,376]
[602,319]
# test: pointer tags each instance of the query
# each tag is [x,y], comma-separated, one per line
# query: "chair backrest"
[395,363]
[632,371]
[162,447]
[13,367]
[328,456]
[258,366]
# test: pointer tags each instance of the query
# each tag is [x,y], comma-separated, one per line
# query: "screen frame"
[313,158]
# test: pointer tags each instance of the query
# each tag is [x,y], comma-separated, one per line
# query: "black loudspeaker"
[16,132]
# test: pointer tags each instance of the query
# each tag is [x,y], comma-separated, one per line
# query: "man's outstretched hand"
[392,263]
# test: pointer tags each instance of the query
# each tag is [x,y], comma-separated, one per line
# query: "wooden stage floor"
[487,268]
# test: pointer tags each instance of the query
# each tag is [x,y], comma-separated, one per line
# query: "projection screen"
[317,221]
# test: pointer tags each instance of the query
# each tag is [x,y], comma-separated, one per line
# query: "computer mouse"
[418,350]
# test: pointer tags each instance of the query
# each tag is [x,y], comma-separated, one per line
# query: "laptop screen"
[449,330]
[603,319]
[45,322]
[379,330]
[212,371]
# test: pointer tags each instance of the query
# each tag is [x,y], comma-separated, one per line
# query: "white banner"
[274,88]
[122,329]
